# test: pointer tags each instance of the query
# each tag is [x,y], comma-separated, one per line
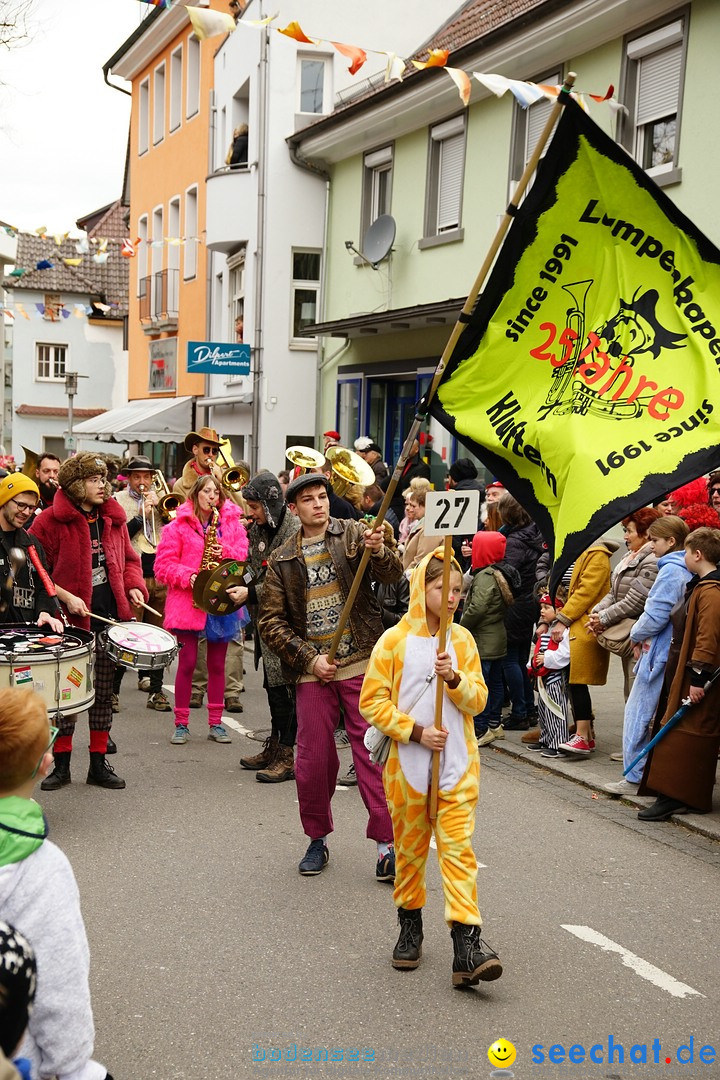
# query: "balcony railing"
[158,299]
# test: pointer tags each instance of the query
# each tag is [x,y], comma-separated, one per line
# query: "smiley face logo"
[502,1054]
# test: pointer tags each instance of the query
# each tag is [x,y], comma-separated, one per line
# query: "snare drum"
[139,646]
[59,667]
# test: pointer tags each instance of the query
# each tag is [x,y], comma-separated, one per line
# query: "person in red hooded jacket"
[95,569]
[494,585]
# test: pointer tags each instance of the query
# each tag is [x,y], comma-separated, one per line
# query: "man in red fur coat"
[95,569]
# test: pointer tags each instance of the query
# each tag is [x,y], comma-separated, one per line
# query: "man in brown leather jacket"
[307,583]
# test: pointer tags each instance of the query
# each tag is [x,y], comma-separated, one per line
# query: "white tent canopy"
[147,420]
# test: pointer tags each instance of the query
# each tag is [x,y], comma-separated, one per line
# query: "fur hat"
[12,484]
[75,471]
[265,489]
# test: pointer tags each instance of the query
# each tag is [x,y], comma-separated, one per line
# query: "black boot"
[474,961]
[60,776]
[102,774]
[408,950]
[111,747]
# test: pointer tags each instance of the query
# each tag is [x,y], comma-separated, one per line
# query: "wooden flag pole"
[440,687]
[463,319]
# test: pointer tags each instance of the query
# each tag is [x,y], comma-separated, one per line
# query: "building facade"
[445,174]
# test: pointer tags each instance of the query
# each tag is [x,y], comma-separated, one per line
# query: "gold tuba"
[348,468]
[168,500]
[304,458]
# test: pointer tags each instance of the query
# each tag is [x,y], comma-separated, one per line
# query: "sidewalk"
[597,770]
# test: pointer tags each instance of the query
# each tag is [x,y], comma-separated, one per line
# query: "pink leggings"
[216,676]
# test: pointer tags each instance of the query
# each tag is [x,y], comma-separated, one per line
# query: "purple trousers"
[316,762]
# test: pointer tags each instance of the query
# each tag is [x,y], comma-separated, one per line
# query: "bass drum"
[58,667]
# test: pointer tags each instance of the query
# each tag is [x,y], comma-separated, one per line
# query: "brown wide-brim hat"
[205,434]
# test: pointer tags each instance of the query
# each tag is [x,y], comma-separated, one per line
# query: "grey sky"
[63,132]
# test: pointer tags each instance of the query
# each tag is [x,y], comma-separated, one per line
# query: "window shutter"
[537,115]
[659,84]
[450,180]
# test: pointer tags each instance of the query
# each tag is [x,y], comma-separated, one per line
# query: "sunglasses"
[53,736]
[210,450]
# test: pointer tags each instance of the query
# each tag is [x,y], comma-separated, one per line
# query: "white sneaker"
[491,735]
[622,787]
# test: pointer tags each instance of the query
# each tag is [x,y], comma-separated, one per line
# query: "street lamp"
[71,386]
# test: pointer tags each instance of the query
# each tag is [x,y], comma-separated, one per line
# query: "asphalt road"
[209,948]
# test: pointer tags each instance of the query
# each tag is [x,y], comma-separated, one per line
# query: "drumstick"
[46,580]
[148,608]
[110,622]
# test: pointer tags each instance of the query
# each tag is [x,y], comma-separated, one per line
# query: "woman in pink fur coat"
[177,563]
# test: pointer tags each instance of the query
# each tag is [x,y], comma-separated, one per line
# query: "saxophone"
[207,563]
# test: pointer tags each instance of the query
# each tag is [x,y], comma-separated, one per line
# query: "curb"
[707,825]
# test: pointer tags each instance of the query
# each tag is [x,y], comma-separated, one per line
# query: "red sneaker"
[577,745]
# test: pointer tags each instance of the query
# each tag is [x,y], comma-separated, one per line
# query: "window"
[142,250]
[312,75]
[192,103]
[191,239]
[53,307]
[654,75]
[173,253]
[305,293]
[236,296]
[156,256]
[528,125]
[159,104]
[176,89]
[445,178]
[377,185]
[51,362]
[144,117]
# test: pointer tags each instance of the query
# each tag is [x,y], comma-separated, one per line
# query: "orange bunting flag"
[293,30]
[128,248]
[462,81]
[354,53]
[603,97]
[436,58]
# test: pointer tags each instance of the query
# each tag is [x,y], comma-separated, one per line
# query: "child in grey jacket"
[39,896]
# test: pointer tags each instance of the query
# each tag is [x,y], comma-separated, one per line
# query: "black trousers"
[281,700]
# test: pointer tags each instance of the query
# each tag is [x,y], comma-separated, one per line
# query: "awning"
[147,420]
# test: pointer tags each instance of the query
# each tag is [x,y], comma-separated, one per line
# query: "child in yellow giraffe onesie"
[398,698]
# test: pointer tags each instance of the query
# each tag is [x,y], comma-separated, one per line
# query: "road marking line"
[227,720]
[641,967]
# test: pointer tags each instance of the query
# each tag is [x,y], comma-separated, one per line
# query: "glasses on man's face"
[23,507]
[53,736]
[96,480]
[210,450]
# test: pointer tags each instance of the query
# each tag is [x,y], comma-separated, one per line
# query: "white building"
[8,245]
[266,221]
[66,319]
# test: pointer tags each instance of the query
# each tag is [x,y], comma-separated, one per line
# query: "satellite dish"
[379,239]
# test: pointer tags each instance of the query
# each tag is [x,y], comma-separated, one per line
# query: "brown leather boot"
[281,769]
[266,756]
[531,736]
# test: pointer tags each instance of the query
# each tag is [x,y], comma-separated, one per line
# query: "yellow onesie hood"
[416,617]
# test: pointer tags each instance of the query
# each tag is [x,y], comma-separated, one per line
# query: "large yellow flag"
[587,379]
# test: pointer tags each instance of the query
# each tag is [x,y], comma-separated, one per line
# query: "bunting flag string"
[207,23]
[55,312]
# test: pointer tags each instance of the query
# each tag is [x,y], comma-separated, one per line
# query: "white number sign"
[448,513]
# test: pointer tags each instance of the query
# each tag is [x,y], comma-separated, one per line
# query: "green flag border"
[562,152]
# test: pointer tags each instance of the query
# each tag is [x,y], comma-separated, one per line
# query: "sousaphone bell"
[348,468]
[304,458]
